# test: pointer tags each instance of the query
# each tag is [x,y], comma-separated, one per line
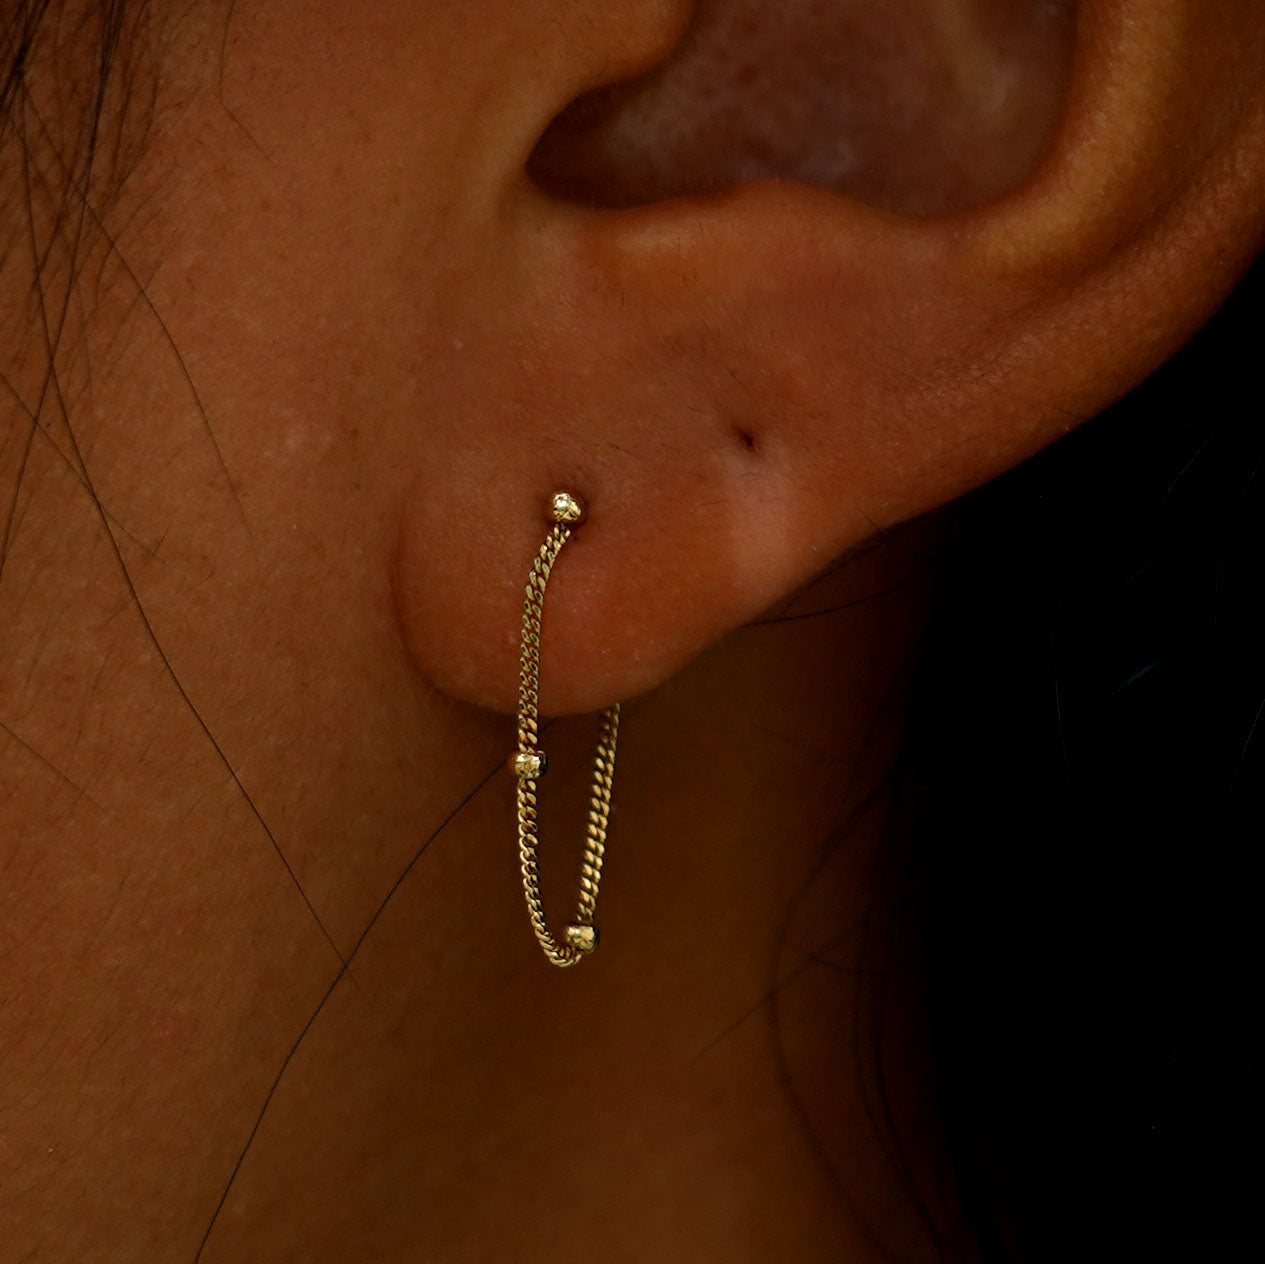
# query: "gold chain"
[529,763]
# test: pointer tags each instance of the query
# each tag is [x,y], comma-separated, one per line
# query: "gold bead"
[566,508]
[582,938]
[531,764]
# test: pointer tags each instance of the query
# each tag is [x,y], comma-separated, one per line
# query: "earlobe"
[747,384]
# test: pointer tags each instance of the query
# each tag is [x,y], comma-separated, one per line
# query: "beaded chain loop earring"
[528,763]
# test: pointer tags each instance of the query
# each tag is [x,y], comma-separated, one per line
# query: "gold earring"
[528,763]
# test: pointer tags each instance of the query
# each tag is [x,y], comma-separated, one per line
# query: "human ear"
[744,384]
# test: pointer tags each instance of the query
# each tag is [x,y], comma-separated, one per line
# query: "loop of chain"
[529,762]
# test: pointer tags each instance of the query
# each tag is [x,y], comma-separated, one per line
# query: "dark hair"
[97,33]
[1086,766]
[79,144]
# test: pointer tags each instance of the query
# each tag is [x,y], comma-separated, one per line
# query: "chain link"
[529,762]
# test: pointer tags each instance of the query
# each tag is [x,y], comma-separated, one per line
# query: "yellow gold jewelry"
[528,763]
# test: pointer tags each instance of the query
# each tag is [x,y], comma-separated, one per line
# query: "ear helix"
[528,763]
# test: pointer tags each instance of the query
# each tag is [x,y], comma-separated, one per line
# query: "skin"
[265,661]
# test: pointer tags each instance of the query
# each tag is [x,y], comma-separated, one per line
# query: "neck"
[217,766]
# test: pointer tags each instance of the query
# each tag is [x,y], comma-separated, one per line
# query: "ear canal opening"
[921,107]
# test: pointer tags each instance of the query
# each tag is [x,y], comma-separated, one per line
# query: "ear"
[745,384]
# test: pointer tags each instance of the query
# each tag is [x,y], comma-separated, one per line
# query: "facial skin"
[327,351]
